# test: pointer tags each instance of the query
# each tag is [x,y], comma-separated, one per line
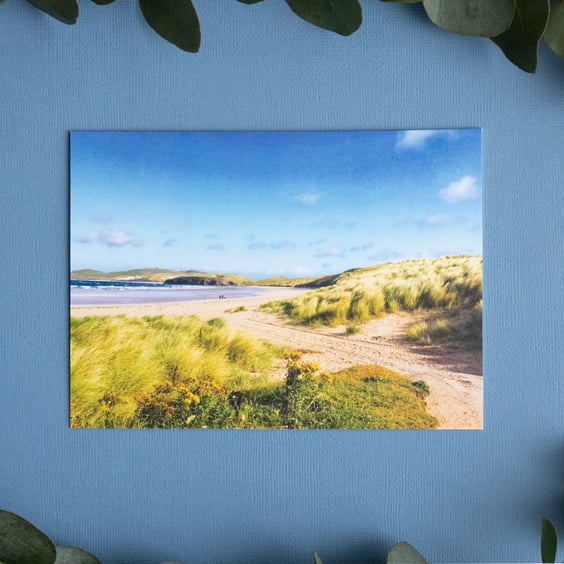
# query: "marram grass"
[179,372]
[449,283]
[129,357]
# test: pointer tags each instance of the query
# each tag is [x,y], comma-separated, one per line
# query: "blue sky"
[266,204]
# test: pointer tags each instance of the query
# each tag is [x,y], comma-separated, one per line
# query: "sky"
[268,204]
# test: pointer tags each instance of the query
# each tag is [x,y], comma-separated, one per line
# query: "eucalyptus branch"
[515,26]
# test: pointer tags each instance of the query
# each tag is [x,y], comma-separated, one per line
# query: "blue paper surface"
[225,496]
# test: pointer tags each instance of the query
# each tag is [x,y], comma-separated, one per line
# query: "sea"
[104,292]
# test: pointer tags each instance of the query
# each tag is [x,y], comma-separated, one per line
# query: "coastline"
[206,309]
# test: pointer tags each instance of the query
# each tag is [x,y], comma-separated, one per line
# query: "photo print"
[276,280]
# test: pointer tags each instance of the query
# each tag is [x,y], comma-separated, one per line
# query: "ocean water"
[95,292]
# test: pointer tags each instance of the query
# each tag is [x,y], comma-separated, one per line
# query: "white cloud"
[327,223]
[169,242]
[365,247]
[439,219]
[275,245]
[255,245]
[88,238]
[302,270]
[330,252]
[464,189]
[111,238]
[385,255]
[308,198]
[215,247]
[415,138]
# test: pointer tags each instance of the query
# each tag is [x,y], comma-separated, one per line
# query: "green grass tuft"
[429,333]
[450,284]
[178,372]
[352,329]
[236,309]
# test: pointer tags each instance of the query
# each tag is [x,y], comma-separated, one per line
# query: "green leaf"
[74,555]
[174,20]
[404,553]
[549,541]
[23,543]
[341,16]
[316,559]
[65,11]
[554,34]
[520,42]
[483,18]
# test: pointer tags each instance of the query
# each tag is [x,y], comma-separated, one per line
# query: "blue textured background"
[136,497]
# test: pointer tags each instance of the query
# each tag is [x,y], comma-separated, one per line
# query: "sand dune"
[456,397]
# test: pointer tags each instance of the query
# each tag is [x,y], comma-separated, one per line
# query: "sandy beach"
[454,376]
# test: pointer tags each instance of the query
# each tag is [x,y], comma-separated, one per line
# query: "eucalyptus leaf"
[341,16]
[23,543]
[554,34]
[404,553]
[520,42]
[174,20]
[483,18]
[74,555]
[65,11]
[549,541]
[103,2]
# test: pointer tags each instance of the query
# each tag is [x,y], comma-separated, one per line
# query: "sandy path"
[456,397]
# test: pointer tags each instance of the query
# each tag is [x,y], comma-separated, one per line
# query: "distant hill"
[210,279]
[195,277]
[136,275]
[287,282]
[320,282]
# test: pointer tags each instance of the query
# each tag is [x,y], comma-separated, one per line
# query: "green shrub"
[422,388]
[472,331]
[236,309]
[426,333]
[419,332]
[360,397]
[352,329]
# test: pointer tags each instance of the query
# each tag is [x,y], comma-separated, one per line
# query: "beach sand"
[454,376]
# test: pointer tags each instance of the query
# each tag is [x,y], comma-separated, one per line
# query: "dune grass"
[179,372]
[130,358]
[236,309]
[356,296]
[463,328]
[428,333]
